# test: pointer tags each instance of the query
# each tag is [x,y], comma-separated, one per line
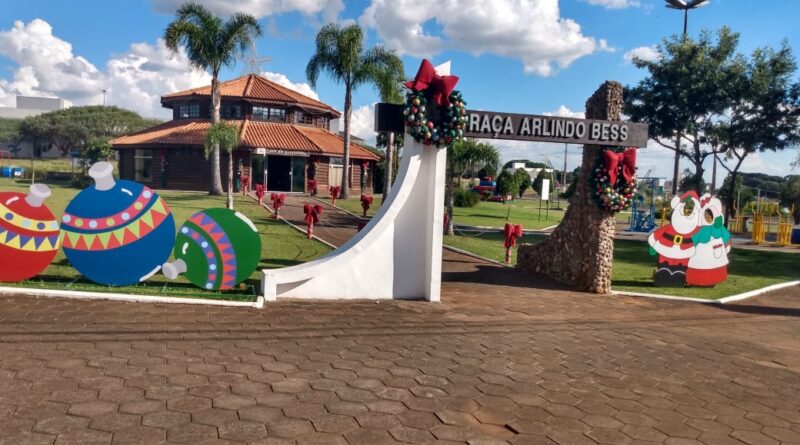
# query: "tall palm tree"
[461,155]
[340,53]
[389,85]
[210,44]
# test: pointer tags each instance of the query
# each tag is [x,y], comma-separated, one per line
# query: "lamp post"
[685,6]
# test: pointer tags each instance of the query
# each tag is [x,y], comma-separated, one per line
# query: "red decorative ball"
[28,234]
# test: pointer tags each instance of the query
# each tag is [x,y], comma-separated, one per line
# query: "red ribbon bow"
[335,190]
[612,160]
[511,232]
[439,87]
[312,213]
[366,201]
[278,199]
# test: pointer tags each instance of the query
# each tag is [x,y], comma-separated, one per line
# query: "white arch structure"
[398,255]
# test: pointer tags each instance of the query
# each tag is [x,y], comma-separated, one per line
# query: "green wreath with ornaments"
[613,179]
[440,126]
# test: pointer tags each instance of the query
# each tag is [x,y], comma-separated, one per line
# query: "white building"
[30,106]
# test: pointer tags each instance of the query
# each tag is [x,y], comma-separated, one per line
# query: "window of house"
[322,122]
[336,161]
[269,114]
[189,111]
[40,147]
[143,165]
[303,118]
[230,111]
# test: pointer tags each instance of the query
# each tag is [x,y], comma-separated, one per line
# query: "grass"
[519,211]
[354,204]
[281,246]
[633,266]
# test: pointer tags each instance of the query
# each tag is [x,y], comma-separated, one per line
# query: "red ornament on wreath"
[613,179]
[29,234]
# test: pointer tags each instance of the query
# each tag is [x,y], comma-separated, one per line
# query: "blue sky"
[531,56]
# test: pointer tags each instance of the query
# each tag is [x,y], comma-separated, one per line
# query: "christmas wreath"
[614,179]
[435,113]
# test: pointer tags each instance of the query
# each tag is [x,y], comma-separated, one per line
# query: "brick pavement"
[492,363]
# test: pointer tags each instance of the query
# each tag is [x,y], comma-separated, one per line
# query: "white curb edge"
[85,295]
[723,300]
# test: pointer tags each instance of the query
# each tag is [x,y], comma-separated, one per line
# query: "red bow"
[312,213]
[278,199]
[612,161]
[366,201]
[335,190]
[440,86]
[511,232]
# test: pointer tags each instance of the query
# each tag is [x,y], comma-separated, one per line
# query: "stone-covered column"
[580,250]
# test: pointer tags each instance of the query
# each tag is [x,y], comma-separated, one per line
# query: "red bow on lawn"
[440,86]
[312,213]
[511,232]
[612,161]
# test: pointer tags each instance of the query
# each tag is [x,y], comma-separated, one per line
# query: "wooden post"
[580,250]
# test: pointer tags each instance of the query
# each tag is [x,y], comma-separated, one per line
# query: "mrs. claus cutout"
[709,264]
[673,243]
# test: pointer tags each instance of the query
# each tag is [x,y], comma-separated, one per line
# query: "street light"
[685,6]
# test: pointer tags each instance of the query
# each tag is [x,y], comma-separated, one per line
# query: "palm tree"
[210,44]
[461,155]
[389,85]
[340,53]
[225,136]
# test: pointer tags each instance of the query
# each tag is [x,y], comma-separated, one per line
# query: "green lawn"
[281,246]
[354,204]
[520,211]
[633,266]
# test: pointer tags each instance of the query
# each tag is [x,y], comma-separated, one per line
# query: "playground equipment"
[6,169]
[645,220]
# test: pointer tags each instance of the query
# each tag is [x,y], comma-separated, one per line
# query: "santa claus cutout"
[673,243]
[709,264]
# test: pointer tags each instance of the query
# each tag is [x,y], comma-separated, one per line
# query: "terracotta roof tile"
[255,88]
[255,134]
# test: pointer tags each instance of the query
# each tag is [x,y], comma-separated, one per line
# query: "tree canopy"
[76,127]
[528,164]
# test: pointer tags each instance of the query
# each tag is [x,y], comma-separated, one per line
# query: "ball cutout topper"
[28,234]
[216,249]
[116,233]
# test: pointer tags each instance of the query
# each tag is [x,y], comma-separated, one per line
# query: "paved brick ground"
[491,364]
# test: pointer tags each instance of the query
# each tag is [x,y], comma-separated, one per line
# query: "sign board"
[268,151]
[545,189]
[529,127]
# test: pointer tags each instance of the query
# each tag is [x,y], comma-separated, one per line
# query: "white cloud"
[564,111]
[614,4]
[46,66]
[281,79]
[362,123]
[529,30]
[328,9]
[647,53]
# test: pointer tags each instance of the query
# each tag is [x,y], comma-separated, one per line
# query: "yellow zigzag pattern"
[132,227]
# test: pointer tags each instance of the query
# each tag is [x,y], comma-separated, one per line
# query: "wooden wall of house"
[181,168]
[323,170]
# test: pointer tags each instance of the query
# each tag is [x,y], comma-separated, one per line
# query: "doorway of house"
[279,173]
[258,170]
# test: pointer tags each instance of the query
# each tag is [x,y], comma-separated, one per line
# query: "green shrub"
[465,198]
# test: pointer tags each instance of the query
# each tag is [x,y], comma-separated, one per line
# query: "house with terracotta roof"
[285,141]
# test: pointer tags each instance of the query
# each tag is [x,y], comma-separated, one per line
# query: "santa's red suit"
[669,238]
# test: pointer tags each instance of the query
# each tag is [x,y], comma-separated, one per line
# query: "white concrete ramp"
[398,255]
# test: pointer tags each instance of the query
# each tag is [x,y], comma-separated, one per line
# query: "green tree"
[539,180]
[224,136]
[764,114]
[739,195]
[572,179]
[388,81]
[689,86]
[9,130]
[691,182]
[790,196]
[524,180]
[507,185]
[340,53]
[528,164]
[73,128]
[210,44]
[461,155]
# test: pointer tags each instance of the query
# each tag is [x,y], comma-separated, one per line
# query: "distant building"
[285,140]
[533,172]
[27,106]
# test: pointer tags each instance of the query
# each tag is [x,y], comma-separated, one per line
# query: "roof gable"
[256,88]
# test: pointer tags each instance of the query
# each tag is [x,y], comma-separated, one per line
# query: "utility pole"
[564,172]
[104,98]
[685,6]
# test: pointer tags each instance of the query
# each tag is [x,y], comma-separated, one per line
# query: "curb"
[82,295]
[723,300]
